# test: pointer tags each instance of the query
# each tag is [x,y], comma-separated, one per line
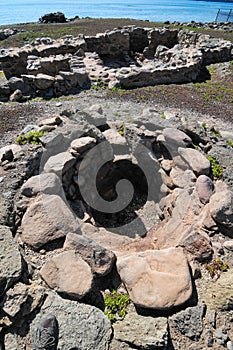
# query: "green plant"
[203,125]
[215,133]
[32,137]
[230,143]
[216,267]
[162,115]
[115,305]
[121,130]
[216,167]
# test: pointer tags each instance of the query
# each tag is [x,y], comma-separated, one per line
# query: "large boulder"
[158,279]
[81,326]
[47,219]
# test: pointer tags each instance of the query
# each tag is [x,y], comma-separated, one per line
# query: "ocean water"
[23,11]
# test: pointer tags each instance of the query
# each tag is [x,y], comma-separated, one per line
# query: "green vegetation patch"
[116,305]
[216,267]
[216,168]
[32,137]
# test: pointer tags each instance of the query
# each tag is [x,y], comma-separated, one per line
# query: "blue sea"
[23,11]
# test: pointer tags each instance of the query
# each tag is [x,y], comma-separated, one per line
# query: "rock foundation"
[154,250]
[128,57]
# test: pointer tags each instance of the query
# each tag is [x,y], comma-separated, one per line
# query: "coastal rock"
[76,320]
[156,279]
[53,17]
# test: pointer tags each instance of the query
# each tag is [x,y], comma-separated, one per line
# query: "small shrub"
[216,267]
[203,125]
[162,115]
[216,168]
[32,137]
[121,130]
[215,133]
[115,305]
[230,143]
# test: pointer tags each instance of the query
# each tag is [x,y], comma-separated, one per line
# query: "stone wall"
[127,57]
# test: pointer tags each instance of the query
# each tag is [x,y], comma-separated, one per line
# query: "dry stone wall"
[128,57]
[64,253]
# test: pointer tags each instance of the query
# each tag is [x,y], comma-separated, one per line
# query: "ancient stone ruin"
[101,205]
[129,57]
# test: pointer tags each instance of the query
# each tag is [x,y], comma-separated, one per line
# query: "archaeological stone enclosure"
[116,197]
[127,58]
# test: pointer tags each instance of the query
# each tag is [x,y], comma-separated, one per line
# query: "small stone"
[228,245]
[208,334]
[204,188]
[142,332]
[83,144]
[230,345]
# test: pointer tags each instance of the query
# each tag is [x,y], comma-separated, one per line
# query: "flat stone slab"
[157,279]
[142,332]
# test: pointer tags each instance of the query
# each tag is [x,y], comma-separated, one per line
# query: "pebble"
[230,345]
[59,104]
[228,245]
[1,179]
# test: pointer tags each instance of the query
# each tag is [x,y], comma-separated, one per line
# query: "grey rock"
[59,163]
[83,144]
[15,298]
[142,332]
[81,326]
[46,183]
[190,321]
[100,259]
[195,160]
[228,245]
[221,209]
[10,260]
[224,156]
[6,207]
[230,345]
[204,188]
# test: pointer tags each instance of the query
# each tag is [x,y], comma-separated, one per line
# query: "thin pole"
[216,19]
[229,15]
